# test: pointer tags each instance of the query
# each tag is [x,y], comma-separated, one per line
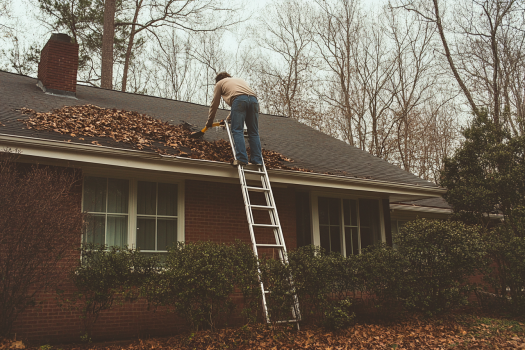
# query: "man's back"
[231,87]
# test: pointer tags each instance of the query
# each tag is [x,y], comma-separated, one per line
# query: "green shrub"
[198,281]
[507,274]
[246,280]
[321,282]
[441,256]
[276,279]
[339,314]
[383,276]
[105,276]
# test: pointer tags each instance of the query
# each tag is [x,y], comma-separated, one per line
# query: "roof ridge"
[135,94]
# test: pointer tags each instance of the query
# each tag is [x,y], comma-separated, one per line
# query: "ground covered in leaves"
[457,332]
[140,131]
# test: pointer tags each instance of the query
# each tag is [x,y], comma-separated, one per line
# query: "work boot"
[238,162]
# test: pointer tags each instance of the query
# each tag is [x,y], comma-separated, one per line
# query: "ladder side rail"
[249,215]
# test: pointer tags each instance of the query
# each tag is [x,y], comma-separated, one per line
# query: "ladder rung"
[265,225]
[262,207]
[254,171]
[256,189]
[289,321]
[270,245]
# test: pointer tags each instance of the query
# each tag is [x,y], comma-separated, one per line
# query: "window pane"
[117,233]
[350,212]
[146,233]
[95,194]
[118,196]
[335,239]
[366,237]
[323,211]
[166,233]
[167,200]
[95,229]
[335,211]
[346,211]
[303,210]
[369,218]
[146,198]
[351,243]
[355,241]
[324,232]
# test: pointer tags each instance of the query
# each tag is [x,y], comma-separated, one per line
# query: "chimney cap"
[60,37]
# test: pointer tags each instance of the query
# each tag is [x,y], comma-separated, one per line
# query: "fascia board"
[103,155]
[356,184]
[419,209]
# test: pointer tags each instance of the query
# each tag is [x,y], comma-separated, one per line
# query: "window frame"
[133,179]
[316,236]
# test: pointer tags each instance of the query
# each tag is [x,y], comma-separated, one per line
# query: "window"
[156,215]
[347,226]
[140,214]
[330,224]
[106,202]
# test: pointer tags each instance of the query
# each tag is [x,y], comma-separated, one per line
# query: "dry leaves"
[11,344]
[139,130]
[410,334]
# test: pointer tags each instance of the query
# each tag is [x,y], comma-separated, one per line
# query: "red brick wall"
[58,66]
[213,212]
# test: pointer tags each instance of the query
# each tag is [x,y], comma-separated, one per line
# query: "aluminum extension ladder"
[271,209]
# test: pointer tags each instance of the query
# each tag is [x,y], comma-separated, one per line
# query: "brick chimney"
[57,70]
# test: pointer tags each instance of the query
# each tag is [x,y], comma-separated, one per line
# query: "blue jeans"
[246,109]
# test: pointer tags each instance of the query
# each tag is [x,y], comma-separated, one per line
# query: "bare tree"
[20,58]
[5,14]
[176,73]
[285,69]
[337,29]
[375,66]
[415,82]
[475,42]
[384,90]
[40,224]
[187,15]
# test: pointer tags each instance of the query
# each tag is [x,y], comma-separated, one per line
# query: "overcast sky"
[29,29]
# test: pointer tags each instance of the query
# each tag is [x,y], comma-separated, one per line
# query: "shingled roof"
[308,148]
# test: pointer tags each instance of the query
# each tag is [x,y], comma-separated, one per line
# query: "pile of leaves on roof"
[474,333]
[139,130]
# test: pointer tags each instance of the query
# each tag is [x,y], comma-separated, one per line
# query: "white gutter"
[137,159]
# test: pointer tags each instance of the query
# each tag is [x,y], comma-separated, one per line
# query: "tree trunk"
[108,36]
[448,55]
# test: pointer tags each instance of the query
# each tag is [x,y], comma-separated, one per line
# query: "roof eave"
[111,156]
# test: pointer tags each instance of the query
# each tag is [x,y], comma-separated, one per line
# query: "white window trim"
[314,215]
[132,200]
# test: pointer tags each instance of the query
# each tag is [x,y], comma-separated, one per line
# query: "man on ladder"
[244,109]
